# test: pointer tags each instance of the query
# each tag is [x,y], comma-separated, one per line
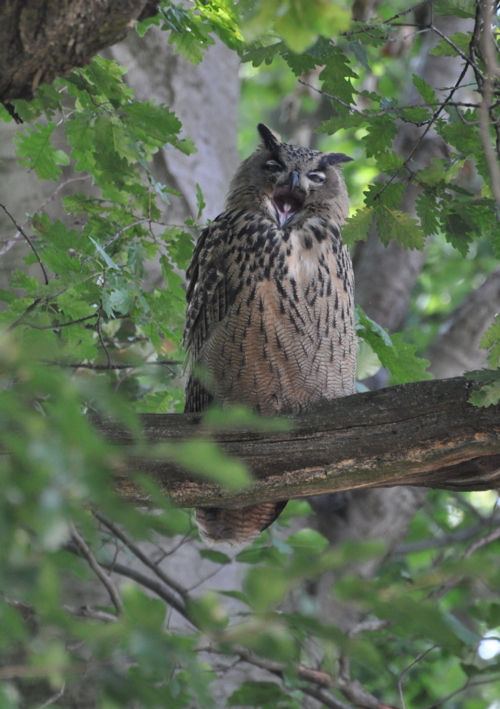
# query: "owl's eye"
[317,177]
[273,166]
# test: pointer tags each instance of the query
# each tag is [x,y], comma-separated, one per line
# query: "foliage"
[88,334]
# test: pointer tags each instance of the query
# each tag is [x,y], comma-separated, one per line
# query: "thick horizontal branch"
[40,41]
[424,434]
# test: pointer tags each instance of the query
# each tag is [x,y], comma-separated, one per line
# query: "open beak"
[288,199]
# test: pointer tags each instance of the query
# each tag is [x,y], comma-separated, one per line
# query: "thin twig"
[111,366]
[97,569]
[325,698]
[93,613]
[384,22]
[137,551]
[115,237]
[484,541]
[407,669]
[99,334]
[158,588]
[28,240]
[53,699]
[56,326]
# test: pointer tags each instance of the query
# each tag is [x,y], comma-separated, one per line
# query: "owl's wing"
[209,296]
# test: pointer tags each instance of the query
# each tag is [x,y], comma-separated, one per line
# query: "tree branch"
[424,434]
[40,41]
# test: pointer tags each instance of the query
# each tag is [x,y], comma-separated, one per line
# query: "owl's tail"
[237,525]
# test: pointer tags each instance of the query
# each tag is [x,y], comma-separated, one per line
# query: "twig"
[160,589]
[438,542]
[99,334]
[56,326]
[97,569]
[10,242]
[384,22]
[137,551]
[351,689]
[407,669]
[28,240]
[111,366]
[53,699]
[370,626]
[325,698]
[89,612]
[488,539]
[116,236]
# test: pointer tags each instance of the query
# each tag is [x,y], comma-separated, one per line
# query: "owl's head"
[290,183]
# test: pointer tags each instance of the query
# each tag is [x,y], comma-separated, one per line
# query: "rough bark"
[424,434]
[40,40]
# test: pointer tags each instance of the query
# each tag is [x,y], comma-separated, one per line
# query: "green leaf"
[253,693]
[108,261]
[444,48]
[152,122]
[359,52]
[393,224]
[381,131]
[458,230]
[336,76]
[118,300]
[460,8]
[187,32]
[300,23]
[389,194]
[461,631]
[200,201]
[308,540]
[35,151]
[398,357]
[207,459]
[218,557]
[358,226]
[424,89]
[264,55]
[265,587]
[428,210]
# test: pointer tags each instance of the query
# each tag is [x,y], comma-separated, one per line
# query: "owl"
[270,293]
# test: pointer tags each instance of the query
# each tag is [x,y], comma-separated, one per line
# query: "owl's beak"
[288,199]
[293,180]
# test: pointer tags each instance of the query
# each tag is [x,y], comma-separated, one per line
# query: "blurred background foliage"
[85,332]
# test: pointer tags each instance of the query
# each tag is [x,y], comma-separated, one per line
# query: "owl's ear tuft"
[335,158]
[270,139]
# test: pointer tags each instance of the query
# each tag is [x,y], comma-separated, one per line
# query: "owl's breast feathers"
[270,315]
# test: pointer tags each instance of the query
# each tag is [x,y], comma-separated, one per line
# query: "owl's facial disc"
[287,202]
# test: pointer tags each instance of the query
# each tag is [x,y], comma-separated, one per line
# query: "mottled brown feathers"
[270,301]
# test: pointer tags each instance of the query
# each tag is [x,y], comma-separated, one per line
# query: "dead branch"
[424,434]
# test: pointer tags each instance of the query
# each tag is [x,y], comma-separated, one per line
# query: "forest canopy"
[319,611]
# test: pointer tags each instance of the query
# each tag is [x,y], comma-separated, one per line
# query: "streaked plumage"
[270,317]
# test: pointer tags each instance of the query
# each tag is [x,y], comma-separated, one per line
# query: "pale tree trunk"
[456,348]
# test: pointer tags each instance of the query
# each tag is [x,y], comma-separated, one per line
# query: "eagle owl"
[270,316]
